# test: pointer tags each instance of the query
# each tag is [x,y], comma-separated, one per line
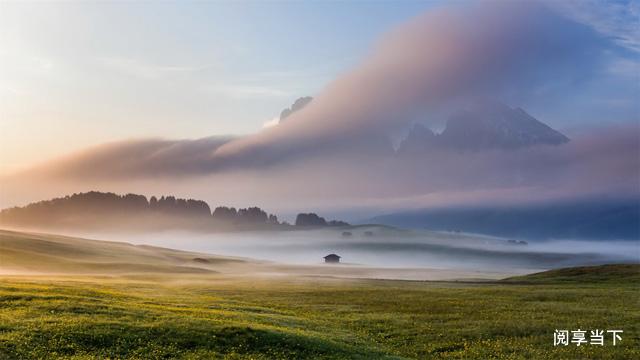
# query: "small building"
[332,259]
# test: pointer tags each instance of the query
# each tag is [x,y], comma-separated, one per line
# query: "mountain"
[484,125]
[298,105]
[586,219]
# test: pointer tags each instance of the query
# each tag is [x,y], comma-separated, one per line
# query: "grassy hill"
[613,273]
[170,307]
[33,253]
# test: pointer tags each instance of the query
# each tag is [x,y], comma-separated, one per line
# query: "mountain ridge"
[597,219]
[483,126]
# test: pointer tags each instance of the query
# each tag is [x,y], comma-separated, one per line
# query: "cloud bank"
[443,56]
[337,147]
[129,159]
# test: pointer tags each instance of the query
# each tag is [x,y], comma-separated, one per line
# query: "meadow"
[70,298]
[220,316]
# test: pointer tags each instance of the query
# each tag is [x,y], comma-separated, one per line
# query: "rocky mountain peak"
[482,126]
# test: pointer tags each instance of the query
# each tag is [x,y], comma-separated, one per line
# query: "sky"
[173,98]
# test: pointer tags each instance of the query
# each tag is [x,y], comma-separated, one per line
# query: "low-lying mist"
[382,247]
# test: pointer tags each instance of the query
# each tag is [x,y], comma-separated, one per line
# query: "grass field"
[207,315]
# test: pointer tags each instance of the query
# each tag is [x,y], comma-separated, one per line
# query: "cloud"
[336,151]
[442,57]
[129,159]
[602,162]
[273,122]
[617,19]
[447,55]
[625,67]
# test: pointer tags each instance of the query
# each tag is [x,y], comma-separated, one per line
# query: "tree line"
[96,204]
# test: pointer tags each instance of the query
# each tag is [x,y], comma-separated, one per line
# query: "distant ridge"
[598,219]
[112,212]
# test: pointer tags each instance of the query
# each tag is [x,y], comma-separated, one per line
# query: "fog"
[393,249]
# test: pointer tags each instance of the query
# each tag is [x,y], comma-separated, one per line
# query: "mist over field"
[394,249]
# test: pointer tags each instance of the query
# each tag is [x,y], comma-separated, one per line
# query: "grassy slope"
[202,315]
[208,317]
[60,254]
[614,273]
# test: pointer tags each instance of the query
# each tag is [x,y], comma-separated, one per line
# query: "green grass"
[33,252]
[613,273]
[163,304]
[215,316]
